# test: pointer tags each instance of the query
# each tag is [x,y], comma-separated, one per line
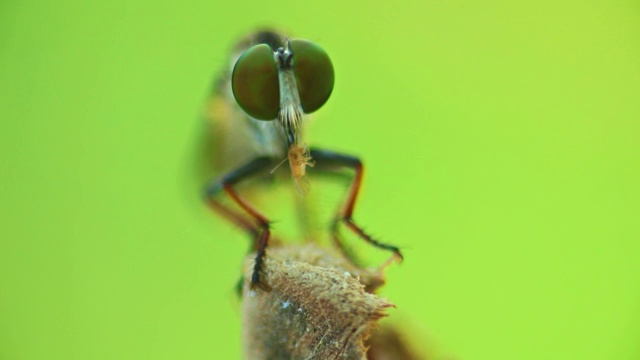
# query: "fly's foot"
[349,223]
[256,282]
[255,277]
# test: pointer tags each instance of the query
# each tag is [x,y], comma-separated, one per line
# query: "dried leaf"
[317,307]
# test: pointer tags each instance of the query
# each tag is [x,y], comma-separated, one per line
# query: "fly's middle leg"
[330,159]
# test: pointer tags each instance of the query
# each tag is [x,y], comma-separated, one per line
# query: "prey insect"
[260,112]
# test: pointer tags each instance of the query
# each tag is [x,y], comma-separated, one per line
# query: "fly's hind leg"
[330,159]
[256,224]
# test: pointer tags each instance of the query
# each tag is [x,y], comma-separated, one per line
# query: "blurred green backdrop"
[501,140]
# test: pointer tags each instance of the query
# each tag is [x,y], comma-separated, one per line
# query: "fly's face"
[283,85]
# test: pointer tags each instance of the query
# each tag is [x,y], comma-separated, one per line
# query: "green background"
[502,153]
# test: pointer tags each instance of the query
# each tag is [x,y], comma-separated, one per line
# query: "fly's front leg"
[259,226]
[330,159]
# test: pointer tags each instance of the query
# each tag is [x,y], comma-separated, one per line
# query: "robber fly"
[259,109]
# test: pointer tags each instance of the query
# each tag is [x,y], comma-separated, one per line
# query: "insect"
[260,108]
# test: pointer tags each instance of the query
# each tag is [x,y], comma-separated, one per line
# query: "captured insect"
[259,109]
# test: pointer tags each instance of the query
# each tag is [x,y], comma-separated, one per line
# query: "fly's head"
[283,85]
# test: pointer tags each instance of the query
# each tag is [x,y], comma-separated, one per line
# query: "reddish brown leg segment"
[233,216]
[259,229]
[262,241]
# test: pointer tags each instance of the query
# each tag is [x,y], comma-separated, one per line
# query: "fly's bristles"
[290,117]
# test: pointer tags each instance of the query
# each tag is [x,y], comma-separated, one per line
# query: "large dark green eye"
[314,74]
[255,83]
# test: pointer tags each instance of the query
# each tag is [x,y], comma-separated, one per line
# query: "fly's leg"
[233,216]
[330,159]
[259,227]
[240,220]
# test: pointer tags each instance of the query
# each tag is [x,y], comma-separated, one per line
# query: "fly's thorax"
[268,138]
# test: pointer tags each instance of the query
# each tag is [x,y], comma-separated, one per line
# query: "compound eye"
[254,82]
[314,74]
